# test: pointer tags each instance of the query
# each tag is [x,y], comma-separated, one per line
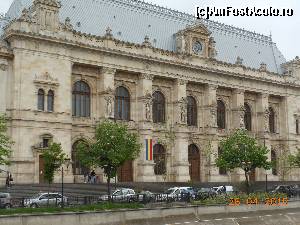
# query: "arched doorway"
[194,160]
[125,172]
[79,170]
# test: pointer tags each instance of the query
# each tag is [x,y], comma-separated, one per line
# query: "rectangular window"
[297,126]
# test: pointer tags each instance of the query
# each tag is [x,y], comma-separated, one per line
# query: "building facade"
[185,84]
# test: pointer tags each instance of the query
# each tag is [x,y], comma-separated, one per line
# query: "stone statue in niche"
[109,106]
[183,110]
[266,119]
[242,116]
[213,117]
[148,111]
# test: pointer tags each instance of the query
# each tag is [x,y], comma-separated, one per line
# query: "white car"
[223,189]
[121,195]
[45,199]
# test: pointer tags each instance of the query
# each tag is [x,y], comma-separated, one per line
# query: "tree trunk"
[247,183]
[108,187]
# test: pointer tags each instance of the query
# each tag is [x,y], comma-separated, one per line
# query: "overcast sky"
[285,30]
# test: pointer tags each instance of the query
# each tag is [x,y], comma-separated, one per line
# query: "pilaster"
[144,95]
[238,110]
[3,84]
[210,109]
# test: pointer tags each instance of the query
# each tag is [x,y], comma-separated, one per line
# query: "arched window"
[158,108]
[81,99]
[274,162]
[159,158]
[222,171]
[78,168]
[271,120]
[50,101]
[191,111]
[221,114]
[41,99]
[247,117]
[122,104]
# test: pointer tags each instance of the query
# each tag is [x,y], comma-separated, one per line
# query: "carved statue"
[183,110]
[148,111]
[242,121]
[109,106]
[68,24]
[25,16]
[266,119]
[213,117]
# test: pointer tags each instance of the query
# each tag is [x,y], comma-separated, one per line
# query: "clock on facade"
[197,47]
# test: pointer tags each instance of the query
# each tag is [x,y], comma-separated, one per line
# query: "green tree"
[112,146]
[239,150]
[53,158]
[294,160]
[5,142]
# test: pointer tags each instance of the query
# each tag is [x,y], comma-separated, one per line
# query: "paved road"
[276,217]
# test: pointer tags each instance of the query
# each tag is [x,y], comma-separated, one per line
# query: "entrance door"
[41,170]
[194,160]
[125,172]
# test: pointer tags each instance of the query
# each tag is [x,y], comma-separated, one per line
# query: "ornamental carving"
[147,76]
[107,70]
[67,25]
[3,67]
[46,78]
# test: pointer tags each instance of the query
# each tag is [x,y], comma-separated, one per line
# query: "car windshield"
[169,191]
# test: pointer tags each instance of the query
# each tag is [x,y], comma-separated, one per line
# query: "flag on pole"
[149,150]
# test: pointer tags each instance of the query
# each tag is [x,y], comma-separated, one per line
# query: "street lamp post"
[67,162]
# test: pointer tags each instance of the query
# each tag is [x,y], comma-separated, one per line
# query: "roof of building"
[132,20]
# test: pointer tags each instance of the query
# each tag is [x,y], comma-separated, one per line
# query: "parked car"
[5,201]
[204,193]
[177,194]
[285,189]
[121,195]
[295,190]
[45,199]
[224,189]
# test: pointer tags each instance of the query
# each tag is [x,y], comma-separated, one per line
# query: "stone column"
[263,131]
[145,171]
[3,85]
[181,164]
[106,93]
[238,110]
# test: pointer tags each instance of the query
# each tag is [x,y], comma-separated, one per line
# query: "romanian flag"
[149,149]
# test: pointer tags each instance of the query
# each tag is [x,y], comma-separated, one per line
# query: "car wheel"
[8,206]
[34,205]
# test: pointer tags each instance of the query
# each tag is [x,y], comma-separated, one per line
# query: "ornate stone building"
[65,66]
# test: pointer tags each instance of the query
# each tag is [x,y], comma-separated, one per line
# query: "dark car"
[285,189]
